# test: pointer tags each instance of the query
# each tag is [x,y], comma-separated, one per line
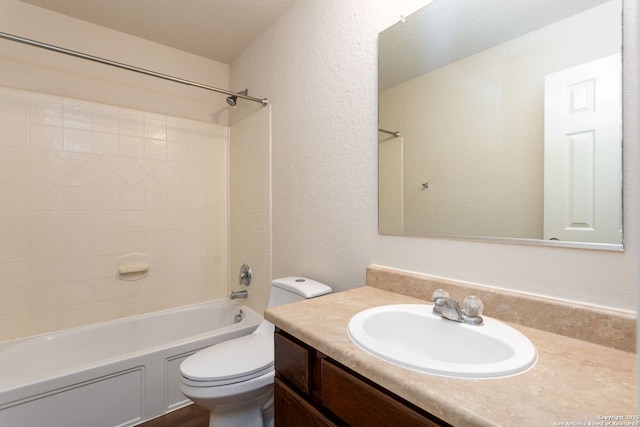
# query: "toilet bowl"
[234,379]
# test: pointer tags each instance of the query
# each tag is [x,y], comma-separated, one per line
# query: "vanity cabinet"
[313,390]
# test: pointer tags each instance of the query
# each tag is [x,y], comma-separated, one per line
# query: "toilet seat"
[237,360]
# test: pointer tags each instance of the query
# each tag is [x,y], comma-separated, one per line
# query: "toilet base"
[256,412]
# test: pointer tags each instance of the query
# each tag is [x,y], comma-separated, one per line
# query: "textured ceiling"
[216,29]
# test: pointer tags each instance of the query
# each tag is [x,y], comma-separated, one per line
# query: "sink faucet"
[448,308]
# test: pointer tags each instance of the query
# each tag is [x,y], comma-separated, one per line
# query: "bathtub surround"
[84,183]
[250,205]
[38,71]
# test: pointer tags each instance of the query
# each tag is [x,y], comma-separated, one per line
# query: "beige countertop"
[573,381]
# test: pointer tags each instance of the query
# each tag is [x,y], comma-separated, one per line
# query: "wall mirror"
[501,120]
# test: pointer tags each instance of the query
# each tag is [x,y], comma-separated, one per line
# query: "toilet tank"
[295,288]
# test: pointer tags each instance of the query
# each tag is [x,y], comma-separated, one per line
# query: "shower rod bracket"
[396,134]
[263,101]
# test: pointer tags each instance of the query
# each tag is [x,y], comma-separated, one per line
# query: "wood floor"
[189,416]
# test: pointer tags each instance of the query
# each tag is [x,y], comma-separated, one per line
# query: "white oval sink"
[411,336]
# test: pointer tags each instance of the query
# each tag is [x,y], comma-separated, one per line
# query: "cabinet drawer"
[360,404]
[292,363]
[292,411]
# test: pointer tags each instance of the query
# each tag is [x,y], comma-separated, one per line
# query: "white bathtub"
[116,373]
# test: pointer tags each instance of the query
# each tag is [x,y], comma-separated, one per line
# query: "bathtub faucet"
[239,294]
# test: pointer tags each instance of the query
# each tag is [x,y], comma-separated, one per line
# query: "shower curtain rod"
[390,132]
[53,48]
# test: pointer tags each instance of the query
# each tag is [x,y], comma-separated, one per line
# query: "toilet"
[234,379]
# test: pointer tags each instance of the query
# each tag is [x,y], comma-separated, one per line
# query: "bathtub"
[117,373]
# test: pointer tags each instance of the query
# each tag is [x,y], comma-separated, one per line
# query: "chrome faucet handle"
[472,306]
[438,298]
[439,295]
[245,275]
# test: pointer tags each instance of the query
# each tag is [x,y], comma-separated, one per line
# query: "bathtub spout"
[239,294]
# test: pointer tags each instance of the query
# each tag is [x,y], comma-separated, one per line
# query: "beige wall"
[321,80]
[493,128]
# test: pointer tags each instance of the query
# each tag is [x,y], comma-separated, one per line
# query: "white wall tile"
[15,275]
[132,173]
[131,122]
[95,170]
[15,300]
[10,165]
[106,221]
[47,247]
[106,243]
[177,151]
[77,222]
[14,134]
[52,168]
[132,146]
[46,223]
[46,109]
[155,199]
[14,249]
[78,245]
[105,143]
[47,272]
[14,198]
[132,220]
[48,320]
[82,184]
[250,222]
[155,127]
[77,269]
[131,198]
[106,119]
[15,223]
[47,296]
[46,137]
[155,220]
[77,140]
[132,241]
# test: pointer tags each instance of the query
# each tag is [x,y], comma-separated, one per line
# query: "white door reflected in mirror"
[583,152]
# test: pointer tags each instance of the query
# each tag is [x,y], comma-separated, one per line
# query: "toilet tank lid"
[307,288]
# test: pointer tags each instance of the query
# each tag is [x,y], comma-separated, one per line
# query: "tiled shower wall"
[250,205]
[82,184]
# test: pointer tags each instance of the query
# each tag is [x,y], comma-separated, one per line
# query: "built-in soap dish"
[133,266]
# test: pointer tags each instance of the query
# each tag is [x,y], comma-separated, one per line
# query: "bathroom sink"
[411,336]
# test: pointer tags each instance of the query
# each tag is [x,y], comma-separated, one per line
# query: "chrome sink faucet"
[448,308]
